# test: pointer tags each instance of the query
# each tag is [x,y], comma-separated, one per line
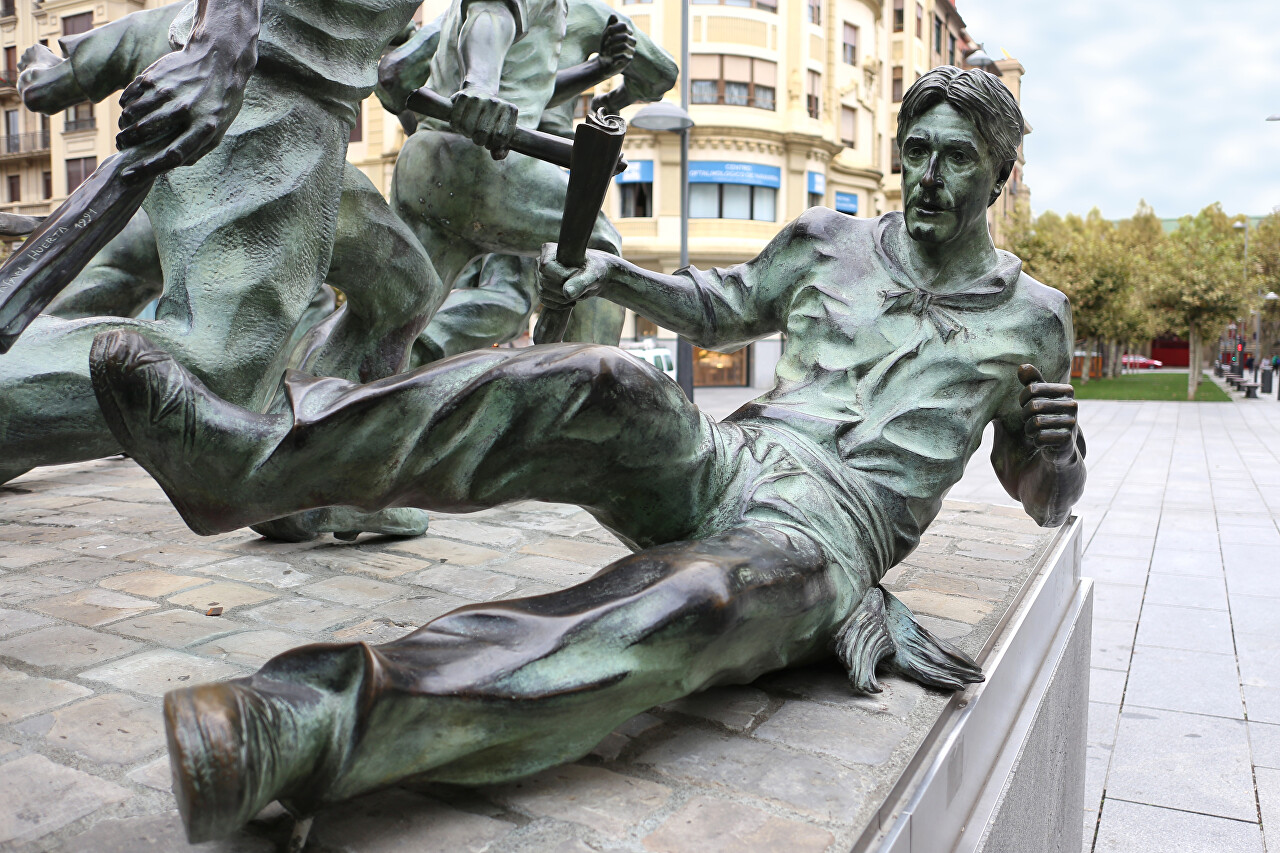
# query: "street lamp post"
[663,117]
[1257,322]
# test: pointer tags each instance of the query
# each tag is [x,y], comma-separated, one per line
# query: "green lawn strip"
[1149,386]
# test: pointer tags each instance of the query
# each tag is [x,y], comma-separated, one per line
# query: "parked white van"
[659,357]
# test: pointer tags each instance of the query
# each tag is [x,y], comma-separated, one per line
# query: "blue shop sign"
[817,183]
[717,172]
[637,172]
[847,202]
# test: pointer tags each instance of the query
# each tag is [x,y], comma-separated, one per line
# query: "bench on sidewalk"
[1250,390]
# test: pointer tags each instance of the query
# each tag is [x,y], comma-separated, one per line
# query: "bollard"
[1267,373]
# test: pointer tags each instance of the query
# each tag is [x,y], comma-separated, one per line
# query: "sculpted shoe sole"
[214,772]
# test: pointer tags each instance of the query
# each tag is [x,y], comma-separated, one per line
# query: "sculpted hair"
[975,94]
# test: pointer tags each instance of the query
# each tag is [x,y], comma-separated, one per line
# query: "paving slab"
[1191,629]
[1180,680]
[1185,591]
[108,729]
[718,826]
[1183,761]
[158,671]
[38,796]
[65,647]
[1137,828]
[176,628]
[22,695]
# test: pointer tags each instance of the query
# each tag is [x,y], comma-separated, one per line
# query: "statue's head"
[958,132]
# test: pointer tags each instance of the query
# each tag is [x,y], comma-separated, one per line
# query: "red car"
[1140,362]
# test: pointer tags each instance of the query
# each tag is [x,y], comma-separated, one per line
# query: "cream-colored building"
[795,104]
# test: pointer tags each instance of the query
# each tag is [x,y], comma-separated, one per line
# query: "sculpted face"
[948,176]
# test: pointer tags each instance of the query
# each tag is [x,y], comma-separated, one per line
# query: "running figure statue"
[759,541]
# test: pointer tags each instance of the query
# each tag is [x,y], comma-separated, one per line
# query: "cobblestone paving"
[104,596]
[1181,519]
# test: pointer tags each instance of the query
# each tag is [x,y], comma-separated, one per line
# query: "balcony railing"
[8,78]
[72,125]
[24,143]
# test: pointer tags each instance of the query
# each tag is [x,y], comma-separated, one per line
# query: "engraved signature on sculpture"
[50,240]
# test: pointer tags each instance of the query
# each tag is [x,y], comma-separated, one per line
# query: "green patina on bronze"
[759,541]
[241,300]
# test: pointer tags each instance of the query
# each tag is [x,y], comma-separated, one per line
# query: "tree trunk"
[1116,349]
[1193,363]
[1086,361]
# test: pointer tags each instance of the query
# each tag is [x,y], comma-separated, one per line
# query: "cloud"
[1135,99]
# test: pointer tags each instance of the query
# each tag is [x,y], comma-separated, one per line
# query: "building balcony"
[76,125]
[9,82]
[16,146]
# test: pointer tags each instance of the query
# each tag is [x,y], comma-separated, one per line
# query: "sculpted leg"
[391,287]
[560,423]
[498,691]
[509,207]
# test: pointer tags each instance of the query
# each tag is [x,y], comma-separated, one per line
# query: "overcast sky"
[1133,99]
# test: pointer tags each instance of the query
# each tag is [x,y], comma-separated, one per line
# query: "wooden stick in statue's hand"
[597,148]
[65,242]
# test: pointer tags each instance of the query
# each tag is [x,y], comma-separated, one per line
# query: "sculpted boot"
[234,749]
[202,449]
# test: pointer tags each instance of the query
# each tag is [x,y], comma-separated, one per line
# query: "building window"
[47,179]
[79,117]
[850,44]
[815,199]
[738,81]
[582,105]
[733,201]
[813,97]
[815,11]
[897,84]
[8,8]
[763,5]
[919,20]
[11,123]
[898,15]
[15,188]
[637,200]
[937,36]
[78,170]
[849,126]
[895,158]
[357,129]
[76,24]
[11,65]
[951,49]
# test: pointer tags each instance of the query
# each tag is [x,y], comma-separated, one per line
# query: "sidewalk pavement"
[1181,514]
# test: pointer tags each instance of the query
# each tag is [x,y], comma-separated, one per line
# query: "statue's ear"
[1005,171]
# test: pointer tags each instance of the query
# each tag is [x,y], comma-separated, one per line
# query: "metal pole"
[684,349]
[1257,320]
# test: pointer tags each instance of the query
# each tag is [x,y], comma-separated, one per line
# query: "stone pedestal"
[1005,769]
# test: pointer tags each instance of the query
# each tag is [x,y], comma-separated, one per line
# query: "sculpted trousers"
[494,691]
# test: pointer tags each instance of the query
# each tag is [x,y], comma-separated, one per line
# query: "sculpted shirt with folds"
[884,387]
[332,46]
[529,70]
